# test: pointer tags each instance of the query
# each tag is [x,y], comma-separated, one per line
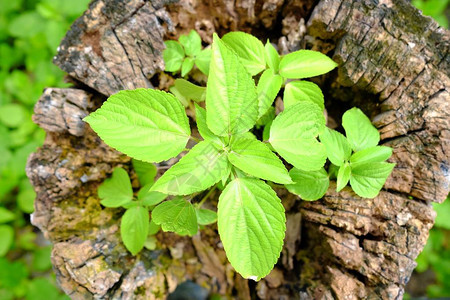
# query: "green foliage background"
[30,32]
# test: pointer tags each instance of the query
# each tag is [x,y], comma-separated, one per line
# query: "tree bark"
[393,63]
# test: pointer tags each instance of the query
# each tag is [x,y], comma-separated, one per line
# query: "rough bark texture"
[393,63]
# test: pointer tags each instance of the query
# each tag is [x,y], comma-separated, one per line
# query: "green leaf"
[202,60]
[343,176]
[25,200]
[150,198]
[150,243]
[359,130]
[266,133]
[186,67]
[145,171]
[201,168]
[269,85]
[43,288]
[251,224]
[249,49]
[293,135]
[370,155]
[272,57]
[116,191]
[153,228]
[296,91]
[183,100]
[145,124]
[368,179]
[443,214]
[134,228]
[190,90]
[267,117]
[256,159]
[12,115]
[231,105]
[205,216]
[207,135]
[309,185]
[6,238]
[177,215]
[305,64]
[173,56]
[6,215]
[337,147]
[26,25]
[192,43]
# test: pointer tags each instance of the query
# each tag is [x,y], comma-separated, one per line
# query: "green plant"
[182,55]
[152,126]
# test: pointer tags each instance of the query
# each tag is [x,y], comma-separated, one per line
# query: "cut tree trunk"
[393,63]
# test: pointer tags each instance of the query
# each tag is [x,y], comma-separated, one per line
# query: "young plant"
[366,168]
[117,191]
[182,55]
[152,126]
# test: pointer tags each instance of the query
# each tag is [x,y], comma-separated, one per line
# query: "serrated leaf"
[150,198]
[146,124]
[293,135]
[272,57]
[205,216]
[134,228]
[251,224]
[190,90]
[309,185]
[269,85]
[296,91]
[6,215]
[207,135]
[370,155]
[173,56]
[343,176]
[201,168]
[145,171]
[249,49]
[305,64]
[359,130]
[177,215]
[337,147]
[231,105]
[116,191]
[186,67]
[368,179]
[256,159]
[202,60]
[6,239]
[192,43]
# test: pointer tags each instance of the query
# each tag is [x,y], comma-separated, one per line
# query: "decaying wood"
[393,63]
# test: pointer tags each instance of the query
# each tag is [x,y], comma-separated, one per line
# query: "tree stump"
[393,63]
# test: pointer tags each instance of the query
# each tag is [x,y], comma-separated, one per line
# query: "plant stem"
[194,139]
[206,197]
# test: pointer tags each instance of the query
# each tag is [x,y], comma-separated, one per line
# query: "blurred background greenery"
[30,32]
